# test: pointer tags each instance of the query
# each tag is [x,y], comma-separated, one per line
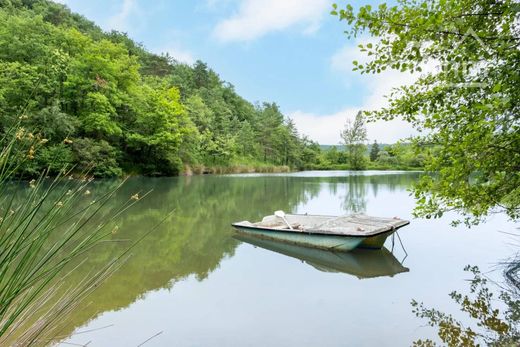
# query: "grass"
[43,233]
[369,166]
[242,165]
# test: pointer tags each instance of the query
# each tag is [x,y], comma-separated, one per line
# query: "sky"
[292,52]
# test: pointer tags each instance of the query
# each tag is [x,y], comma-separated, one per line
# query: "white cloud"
[325,128]
[119,21]
[256,18]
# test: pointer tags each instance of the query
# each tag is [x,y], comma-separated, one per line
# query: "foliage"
[492,327]
[398,156]
[140,112]
[354,136]
[468,108]
[374,151]
[95,156]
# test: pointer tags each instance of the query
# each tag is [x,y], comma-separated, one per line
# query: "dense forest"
[102,102]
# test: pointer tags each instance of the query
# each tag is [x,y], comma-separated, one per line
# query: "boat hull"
[329,242]
[376,241]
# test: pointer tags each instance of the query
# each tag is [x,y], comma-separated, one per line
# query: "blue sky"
[292,52]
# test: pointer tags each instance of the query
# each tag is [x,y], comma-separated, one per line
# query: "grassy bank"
[266,168]
[234,169]
[371,166]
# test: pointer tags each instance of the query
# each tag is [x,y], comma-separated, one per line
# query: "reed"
[42,234]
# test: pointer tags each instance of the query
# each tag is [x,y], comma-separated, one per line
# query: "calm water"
[197,285]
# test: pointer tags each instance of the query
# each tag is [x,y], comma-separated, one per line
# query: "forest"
[101,102]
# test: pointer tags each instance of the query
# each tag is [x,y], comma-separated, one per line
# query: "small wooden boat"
[362,263]
[339,233]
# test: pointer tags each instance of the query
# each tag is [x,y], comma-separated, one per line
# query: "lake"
[192,283]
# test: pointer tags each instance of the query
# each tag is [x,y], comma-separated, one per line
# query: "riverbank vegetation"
[398,156]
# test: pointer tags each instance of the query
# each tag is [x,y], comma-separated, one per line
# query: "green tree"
[469,108]
[386,159]
[269,119]
[354,136]
[98,117]
[97,157]
[374,151]
[159,131]
[199,113]
[311,152]
[332,155]
[246,142]
[292,148]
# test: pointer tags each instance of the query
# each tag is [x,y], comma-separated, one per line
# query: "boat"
[362,263]
[338,233]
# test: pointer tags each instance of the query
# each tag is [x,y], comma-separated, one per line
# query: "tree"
[469,107]
[354,136]
[269,119]
[159,131]
[246,141]
[332,155]
[199,112]
[97,120]
[96,157]
[374,151]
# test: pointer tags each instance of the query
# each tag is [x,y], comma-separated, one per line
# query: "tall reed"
[43,232]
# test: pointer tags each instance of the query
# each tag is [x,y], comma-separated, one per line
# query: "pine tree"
[374,151]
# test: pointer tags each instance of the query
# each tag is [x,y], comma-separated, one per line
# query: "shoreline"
[245,169]
[225,170]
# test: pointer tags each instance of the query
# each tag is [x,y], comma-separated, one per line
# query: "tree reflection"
[358,186]
[489,325]
[197,237]
[355,199]
[190,243]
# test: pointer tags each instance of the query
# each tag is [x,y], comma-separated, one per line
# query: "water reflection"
[493,321]
[198,237]
[361,263]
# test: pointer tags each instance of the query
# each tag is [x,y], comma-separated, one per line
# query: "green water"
[194,284]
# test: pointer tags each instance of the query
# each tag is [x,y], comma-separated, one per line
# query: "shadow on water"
[198,236]
[361,263]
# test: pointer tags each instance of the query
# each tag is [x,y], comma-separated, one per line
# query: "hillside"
[102,102]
